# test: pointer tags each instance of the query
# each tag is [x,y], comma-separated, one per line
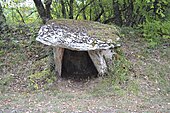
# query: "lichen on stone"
[93,29]
[80,35]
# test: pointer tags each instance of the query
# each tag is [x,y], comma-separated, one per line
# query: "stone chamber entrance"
[77,65]
[91,41]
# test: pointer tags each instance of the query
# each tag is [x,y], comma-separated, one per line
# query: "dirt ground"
[148,87]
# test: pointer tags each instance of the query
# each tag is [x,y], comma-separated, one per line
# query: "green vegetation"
[94,29]
[149,18]
[139,78]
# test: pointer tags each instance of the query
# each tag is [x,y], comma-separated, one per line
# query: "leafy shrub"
[120,76]
[42,78]
[120,70]
[154,31]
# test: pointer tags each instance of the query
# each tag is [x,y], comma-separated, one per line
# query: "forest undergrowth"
[138,82]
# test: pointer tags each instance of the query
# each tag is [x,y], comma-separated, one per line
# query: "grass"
[139,80]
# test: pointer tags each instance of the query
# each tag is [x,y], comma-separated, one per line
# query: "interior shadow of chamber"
[77,65]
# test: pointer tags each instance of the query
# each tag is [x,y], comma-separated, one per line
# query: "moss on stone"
[93,29]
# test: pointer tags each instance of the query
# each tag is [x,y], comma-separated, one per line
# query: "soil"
[149,78]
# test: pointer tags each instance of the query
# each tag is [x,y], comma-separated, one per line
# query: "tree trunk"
[117,13]
[90,12]
[44,12]
[129,14]
[40,9]
[71,9]
[48,7]
[45,15]
[100,14]
[63,10]
[84,13]
[3,25]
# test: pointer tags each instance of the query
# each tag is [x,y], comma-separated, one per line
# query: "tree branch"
[84,8]
[63,10]
[71,9]
[22,19]
[31,13]
[40,9]
[111,19]
[102,11]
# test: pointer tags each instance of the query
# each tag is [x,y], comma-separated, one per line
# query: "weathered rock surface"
[68,36]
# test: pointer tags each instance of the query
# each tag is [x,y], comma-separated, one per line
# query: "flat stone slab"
[79,35]
[68,36]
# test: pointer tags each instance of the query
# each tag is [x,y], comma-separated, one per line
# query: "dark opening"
[77,65]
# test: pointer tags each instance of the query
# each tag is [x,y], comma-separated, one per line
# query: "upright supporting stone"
[80,47]
[58,56]
[99,61]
